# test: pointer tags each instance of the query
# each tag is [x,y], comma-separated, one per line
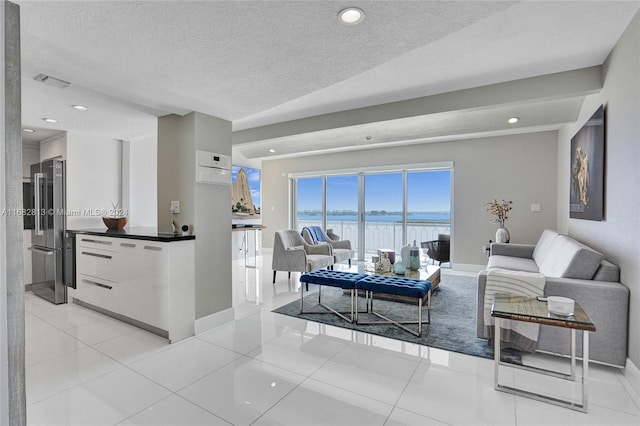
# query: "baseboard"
[214,320]
[631,373]
[142,325]
[467,267]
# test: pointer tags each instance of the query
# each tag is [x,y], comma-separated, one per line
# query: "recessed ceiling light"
[50,120]
[271,150]
[351,16]
[513,120]
[80,107]
[28,130]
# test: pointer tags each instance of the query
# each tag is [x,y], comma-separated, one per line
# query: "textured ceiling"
[262,62]
[524,40]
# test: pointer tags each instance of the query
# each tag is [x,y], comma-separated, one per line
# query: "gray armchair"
[341,249]
[438,249]
[292,253]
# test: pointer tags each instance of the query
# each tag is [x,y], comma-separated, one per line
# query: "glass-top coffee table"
[531,309]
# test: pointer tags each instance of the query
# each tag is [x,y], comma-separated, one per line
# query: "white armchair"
[292,253]
[341,249]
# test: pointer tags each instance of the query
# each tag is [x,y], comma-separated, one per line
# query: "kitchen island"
[138,276]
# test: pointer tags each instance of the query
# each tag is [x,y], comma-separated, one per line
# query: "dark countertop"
[135,233]
[235,227]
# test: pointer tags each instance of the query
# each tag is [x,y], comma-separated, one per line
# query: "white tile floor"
[267,369]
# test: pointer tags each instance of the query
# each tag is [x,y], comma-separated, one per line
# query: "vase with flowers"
[499,214]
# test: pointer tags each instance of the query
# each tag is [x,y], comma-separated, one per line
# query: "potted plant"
[499,214]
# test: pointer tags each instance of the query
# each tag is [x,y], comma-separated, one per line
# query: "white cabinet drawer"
[90,241]
[132,294]
[98,263]
[154,260]
[143,288]
[126,245]
[97,291]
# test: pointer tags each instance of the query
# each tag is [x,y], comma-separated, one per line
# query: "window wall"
[309,202]
[376,209]
[383,212]
[342,207]
[428,205]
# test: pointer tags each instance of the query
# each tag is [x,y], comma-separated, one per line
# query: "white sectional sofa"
[576,271]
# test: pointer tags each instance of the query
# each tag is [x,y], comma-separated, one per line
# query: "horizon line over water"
[378,218]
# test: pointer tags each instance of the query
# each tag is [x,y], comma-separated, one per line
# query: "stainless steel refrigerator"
[48,234]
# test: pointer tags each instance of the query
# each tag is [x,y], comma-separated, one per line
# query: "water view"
[411,217]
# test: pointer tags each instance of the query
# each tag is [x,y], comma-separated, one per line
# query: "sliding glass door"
[309,202]
[342,207]
[376,210]
[383,212]
[428,205]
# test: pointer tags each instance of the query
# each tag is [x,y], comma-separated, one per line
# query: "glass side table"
[530,309]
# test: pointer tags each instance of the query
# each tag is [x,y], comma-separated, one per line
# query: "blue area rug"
[453,317]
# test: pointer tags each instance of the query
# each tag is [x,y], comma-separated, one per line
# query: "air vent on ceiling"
[52,81]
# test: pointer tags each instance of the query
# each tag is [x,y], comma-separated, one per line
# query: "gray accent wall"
[175,150]
[618,235]
[205,207]
[522,168]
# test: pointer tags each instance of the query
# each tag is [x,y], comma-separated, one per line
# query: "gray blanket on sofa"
[518,335]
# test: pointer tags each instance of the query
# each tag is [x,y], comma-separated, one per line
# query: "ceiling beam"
[568,84]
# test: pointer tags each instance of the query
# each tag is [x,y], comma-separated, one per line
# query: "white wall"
[93,177]
[143,181]
[618,235]
[54,147]
[521,168]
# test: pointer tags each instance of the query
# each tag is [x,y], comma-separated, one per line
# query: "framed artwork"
[586,197]
[245,193]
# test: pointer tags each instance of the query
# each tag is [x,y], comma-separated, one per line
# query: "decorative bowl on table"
[115,222]
[560,305]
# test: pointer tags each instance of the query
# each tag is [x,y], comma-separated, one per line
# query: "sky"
[428,191]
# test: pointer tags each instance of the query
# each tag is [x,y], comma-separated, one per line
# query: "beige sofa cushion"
[567,258]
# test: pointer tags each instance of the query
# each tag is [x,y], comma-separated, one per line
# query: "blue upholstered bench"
[331,278]
[398,286]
